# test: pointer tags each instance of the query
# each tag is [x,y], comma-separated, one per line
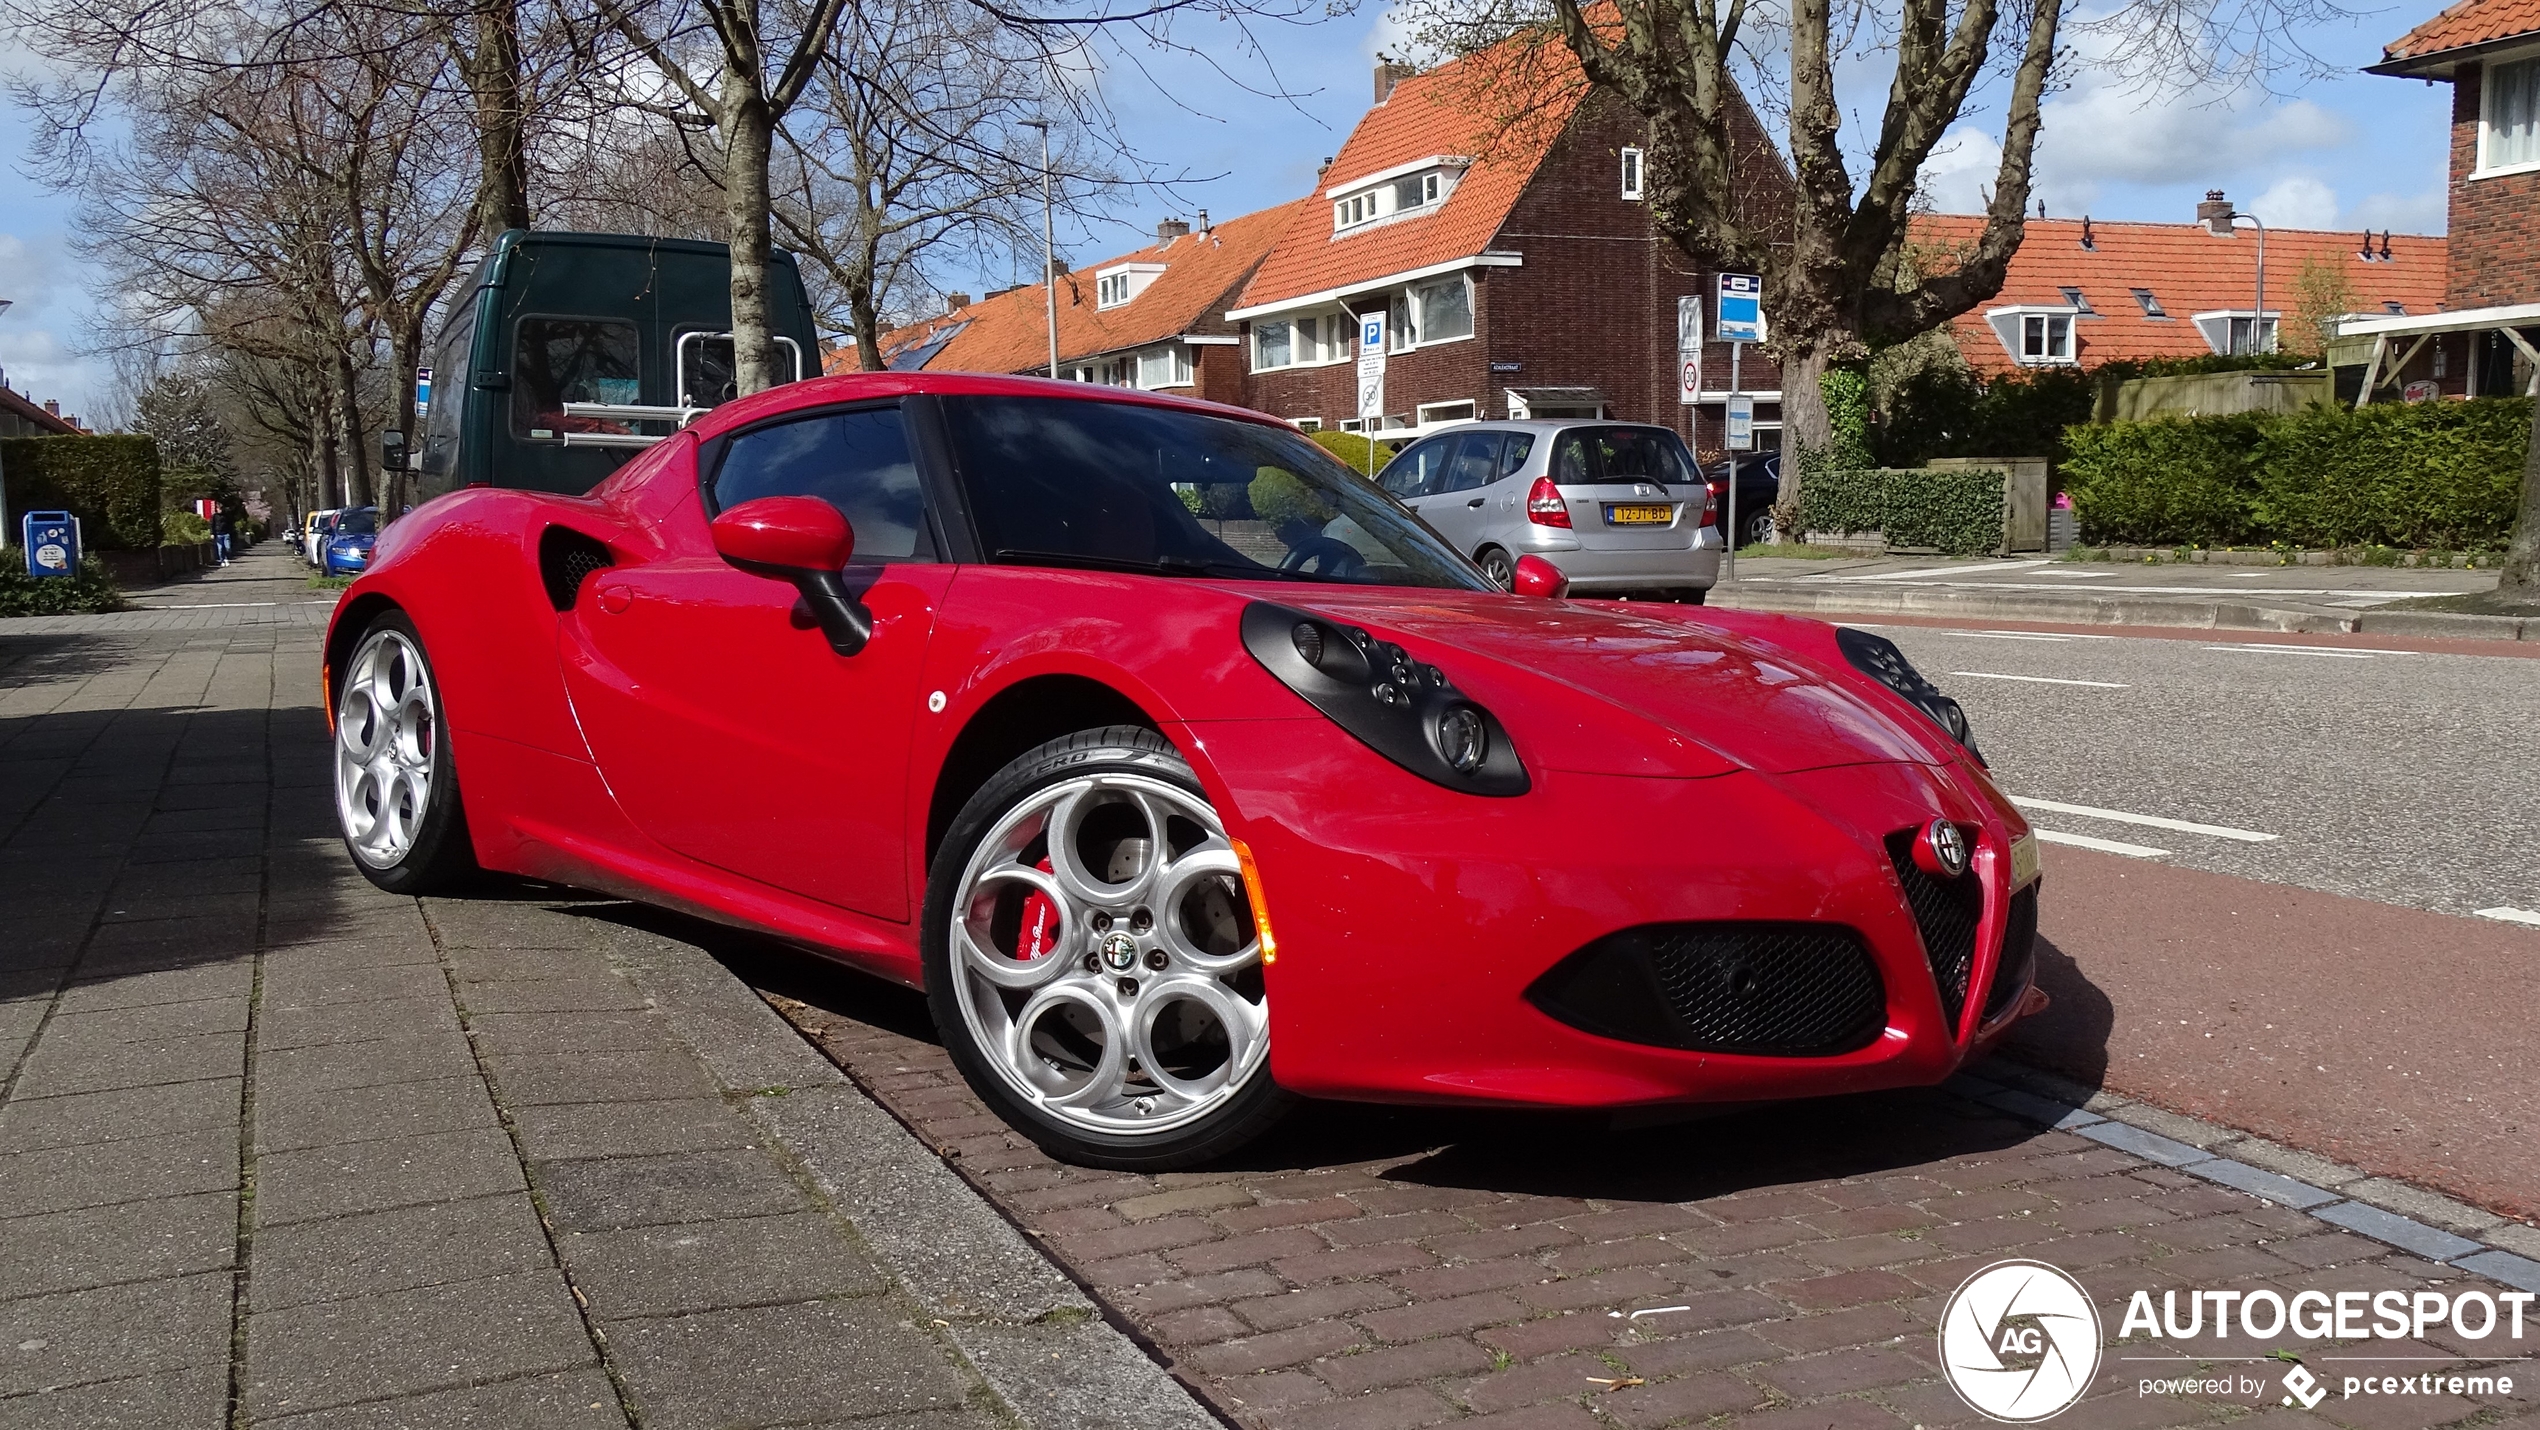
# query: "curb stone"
[2288,618]
[2449,625]
[2386,1210]
[1037,1339]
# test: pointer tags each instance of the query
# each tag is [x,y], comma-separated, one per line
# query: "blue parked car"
[348,550]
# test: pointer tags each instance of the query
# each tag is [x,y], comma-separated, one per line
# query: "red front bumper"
[1412,919]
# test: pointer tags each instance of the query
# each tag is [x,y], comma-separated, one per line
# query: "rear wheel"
[1758,527]
[396,790]
[1500,567]
[1091,959]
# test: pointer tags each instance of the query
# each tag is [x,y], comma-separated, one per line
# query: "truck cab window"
[561,360]
[706,378]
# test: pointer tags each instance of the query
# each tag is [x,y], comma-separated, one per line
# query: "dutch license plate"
[2023,860]
[1639,515]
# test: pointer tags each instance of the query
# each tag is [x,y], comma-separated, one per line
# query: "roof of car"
[863,386]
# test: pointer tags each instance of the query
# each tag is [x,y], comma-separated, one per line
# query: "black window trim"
[920,421]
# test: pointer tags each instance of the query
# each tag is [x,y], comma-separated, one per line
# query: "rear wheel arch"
[1016,720]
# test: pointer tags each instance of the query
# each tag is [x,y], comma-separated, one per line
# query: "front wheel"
[1091,958]
[1759,528]
[396,789]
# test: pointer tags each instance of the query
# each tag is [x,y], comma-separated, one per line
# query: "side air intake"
[566,559]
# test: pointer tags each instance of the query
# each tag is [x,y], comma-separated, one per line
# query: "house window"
[2080,304]
[1402,328]
[1432,188]
[2509,127]
[2046,337]
[1164,367]
[2396,310]
[2151,305]
[1273,346]
[1429,412]
[1631,174]
[1309,424]
[2251,335]
[1446,309]
[1112,290]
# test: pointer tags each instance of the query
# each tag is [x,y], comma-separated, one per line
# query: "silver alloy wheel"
[387,725]
[1142,1009]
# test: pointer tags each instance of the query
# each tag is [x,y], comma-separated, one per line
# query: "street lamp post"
[1049,239]
[4,473]
[2220,225]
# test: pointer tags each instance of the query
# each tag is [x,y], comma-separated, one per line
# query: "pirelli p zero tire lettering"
[1091,960]
[396,785]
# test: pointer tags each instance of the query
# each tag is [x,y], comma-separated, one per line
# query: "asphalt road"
[2402,777]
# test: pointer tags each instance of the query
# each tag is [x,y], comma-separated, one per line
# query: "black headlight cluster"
[1402,709]
[1878,658]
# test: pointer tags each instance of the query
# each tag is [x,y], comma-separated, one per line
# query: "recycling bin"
[52,543]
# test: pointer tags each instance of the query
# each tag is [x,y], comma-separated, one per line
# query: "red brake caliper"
[1038,937]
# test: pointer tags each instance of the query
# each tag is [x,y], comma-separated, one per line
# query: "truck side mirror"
[806,541]
[392,450]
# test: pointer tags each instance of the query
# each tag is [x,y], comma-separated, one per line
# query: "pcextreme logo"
[2019,1341]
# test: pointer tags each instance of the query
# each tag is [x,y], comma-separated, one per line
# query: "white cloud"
[36,351]
[2297,201]
[1389,35]
[1960,172]
[2425,211]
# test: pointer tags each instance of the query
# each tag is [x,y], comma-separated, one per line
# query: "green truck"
[565,353]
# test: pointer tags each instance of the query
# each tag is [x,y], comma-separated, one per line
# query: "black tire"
[1758,527]
[1251,1109]
[442,857]
[1499,566]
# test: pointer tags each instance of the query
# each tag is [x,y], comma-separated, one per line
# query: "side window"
[1521,445]
[858,462]
[561,360]
[706,376]
[1416,472]
[1476,462]
[1571,463]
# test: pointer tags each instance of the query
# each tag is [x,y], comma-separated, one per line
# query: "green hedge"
[1955,512]
[110,483]
[91,589]
[2412,475]
[183,528]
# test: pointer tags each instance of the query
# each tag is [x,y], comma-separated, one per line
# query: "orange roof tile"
[1502,108]
[2472,22]
[1009,332]
[2186,268]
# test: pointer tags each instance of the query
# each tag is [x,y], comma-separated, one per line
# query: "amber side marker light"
[1260,906]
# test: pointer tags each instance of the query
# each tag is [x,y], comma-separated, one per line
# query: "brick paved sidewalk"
[279,1149]
[1399,1268]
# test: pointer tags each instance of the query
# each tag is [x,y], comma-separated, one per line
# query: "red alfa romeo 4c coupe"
[1186,771]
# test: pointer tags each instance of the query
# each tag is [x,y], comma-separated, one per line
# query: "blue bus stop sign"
[52,543]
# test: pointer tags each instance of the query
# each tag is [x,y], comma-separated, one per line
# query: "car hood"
[1599,688]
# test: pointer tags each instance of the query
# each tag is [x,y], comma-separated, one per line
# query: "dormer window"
[1123,282]
[1404,191]
[2080,304]
[2036,336]
[2151,305]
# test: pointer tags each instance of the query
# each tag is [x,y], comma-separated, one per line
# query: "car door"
[1459,508]
[726,726]
[1414,474]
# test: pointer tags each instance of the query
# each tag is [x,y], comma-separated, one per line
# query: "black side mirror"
[392,450]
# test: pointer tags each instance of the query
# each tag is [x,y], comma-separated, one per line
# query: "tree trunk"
[322,456]
[748,138]
[1806,430]
[492,72]
[357,485]
[405,347]
[867,318]
[2521,573]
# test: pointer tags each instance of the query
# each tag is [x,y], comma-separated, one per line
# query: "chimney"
[1323,168]
[1170,229]
[52,408]
[1203,220]
[2215,213]
[955,302]
[1388,74]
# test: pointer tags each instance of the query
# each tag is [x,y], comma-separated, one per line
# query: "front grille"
[1947,912]
[1765,989]
[2016,969]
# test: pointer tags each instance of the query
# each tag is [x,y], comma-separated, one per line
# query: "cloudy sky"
[2347,151]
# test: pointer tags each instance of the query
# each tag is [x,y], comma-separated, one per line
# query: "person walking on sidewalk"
[221,529]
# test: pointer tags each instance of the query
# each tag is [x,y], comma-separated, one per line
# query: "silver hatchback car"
[1618,506]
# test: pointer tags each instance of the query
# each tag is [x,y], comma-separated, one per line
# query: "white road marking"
[2040,679]
[2219,831]
[2337,652]
[2104,846]
[2131,590]
[2511,916]
[2079,575]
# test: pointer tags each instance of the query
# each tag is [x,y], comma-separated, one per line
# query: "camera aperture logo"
[2019,1341]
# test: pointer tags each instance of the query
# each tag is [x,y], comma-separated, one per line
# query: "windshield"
[364,522]
[1117,486]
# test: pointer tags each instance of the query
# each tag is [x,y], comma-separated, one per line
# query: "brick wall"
[2495,228]
[1443,372]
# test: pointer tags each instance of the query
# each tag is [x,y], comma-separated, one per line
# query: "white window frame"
[1635,174]
[1119,285]
[1464,410]
[1334,340]
[2215,325]
[1178,368]
[2010,328]
[1258,329]
[1307,424]
[2486,106]
[1378,197]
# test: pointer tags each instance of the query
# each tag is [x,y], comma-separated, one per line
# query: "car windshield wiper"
[1144,566]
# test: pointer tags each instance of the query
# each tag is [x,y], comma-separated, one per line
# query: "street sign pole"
[1728,442]
[1371,382]
[1739,320]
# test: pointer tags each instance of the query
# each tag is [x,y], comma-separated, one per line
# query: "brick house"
[2487,341]
[1490,211]
[2080,293]
[1152,318]
[21,417]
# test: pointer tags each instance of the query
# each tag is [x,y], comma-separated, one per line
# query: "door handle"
[1477,501]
